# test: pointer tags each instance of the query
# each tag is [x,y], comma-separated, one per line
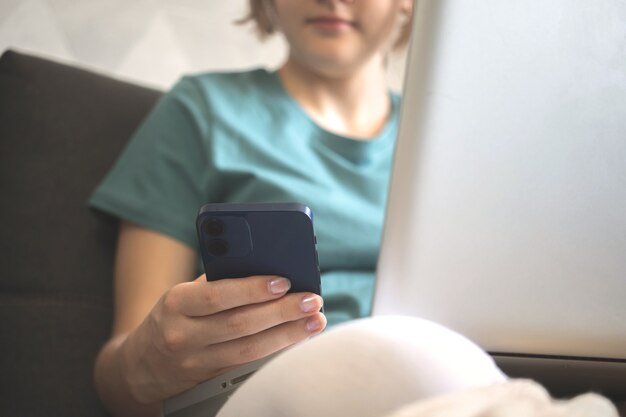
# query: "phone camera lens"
[214,227]
[217,247]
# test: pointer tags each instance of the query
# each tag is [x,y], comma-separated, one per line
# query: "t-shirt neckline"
[358,148]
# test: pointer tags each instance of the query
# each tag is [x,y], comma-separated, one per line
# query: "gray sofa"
[60,130]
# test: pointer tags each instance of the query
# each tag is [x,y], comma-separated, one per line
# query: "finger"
[257,346]
[203,298]
[255,318]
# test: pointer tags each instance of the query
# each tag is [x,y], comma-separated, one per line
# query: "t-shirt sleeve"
[161,178]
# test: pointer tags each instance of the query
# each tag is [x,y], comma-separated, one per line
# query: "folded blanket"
[514,398]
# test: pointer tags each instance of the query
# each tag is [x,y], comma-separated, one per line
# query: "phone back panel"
[241,240]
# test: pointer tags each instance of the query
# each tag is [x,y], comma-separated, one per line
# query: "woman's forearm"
[112,382]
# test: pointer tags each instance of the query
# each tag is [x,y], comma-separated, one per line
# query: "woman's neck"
[356,106]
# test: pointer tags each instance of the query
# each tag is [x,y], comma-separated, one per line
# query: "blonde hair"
[260,14]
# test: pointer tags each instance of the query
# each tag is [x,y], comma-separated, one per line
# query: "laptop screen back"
[506,218]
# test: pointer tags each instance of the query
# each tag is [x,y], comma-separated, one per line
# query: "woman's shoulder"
[251,74]
[227,82]
[224,90]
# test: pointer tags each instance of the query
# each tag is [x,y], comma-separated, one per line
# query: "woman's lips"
[330,23]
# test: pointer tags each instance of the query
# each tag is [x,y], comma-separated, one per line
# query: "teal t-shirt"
[240,137]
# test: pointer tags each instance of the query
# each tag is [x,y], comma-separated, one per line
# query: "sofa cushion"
[61,128]
[49,344]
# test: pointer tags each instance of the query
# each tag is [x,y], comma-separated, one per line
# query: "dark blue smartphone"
[244,239]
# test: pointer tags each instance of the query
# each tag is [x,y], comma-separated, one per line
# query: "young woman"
[319,130]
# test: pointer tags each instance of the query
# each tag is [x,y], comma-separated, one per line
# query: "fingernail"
[310,304]
[314,324]
[279,286]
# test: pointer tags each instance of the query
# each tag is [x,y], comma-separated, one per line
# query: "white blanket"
[395,367]
[514,398]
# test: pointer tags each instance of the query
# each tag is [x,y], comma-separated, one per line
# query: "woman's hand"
[199,329]
[170,333]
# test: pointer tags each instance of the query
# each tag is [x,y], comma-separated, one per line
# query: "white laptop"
[506,218]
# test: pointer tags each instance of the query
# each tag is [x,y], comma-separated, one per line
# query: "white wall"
[151,42]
